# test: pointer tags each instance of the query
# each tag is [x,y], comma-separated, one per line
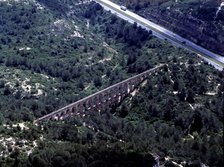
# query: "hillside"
[201,21]
[54,52]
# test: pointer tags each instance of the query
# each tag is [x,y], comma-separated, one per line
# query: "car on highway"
[123,8]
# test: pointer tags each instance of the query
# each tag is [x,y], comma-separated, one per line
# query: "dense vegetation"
[60,69]
[56,52]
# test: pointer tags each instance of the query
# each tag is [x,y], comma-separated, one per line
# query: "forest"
[52,54]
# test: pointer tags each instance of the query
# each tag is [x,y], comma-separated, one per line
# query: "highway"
[215,60]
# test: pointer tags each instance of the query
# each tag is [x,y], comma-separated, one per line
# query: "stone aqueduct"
[101,99]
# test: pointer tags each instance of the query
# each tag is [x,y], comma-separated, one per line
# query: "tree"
[124,111]
[98,81]
[2,119]
[197,124]
[182,95]
[190,96]
[7,90]
[65,75]
[18,95]
[2,84]
[202,89]
[176,85]
[131,59]
[81,84]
